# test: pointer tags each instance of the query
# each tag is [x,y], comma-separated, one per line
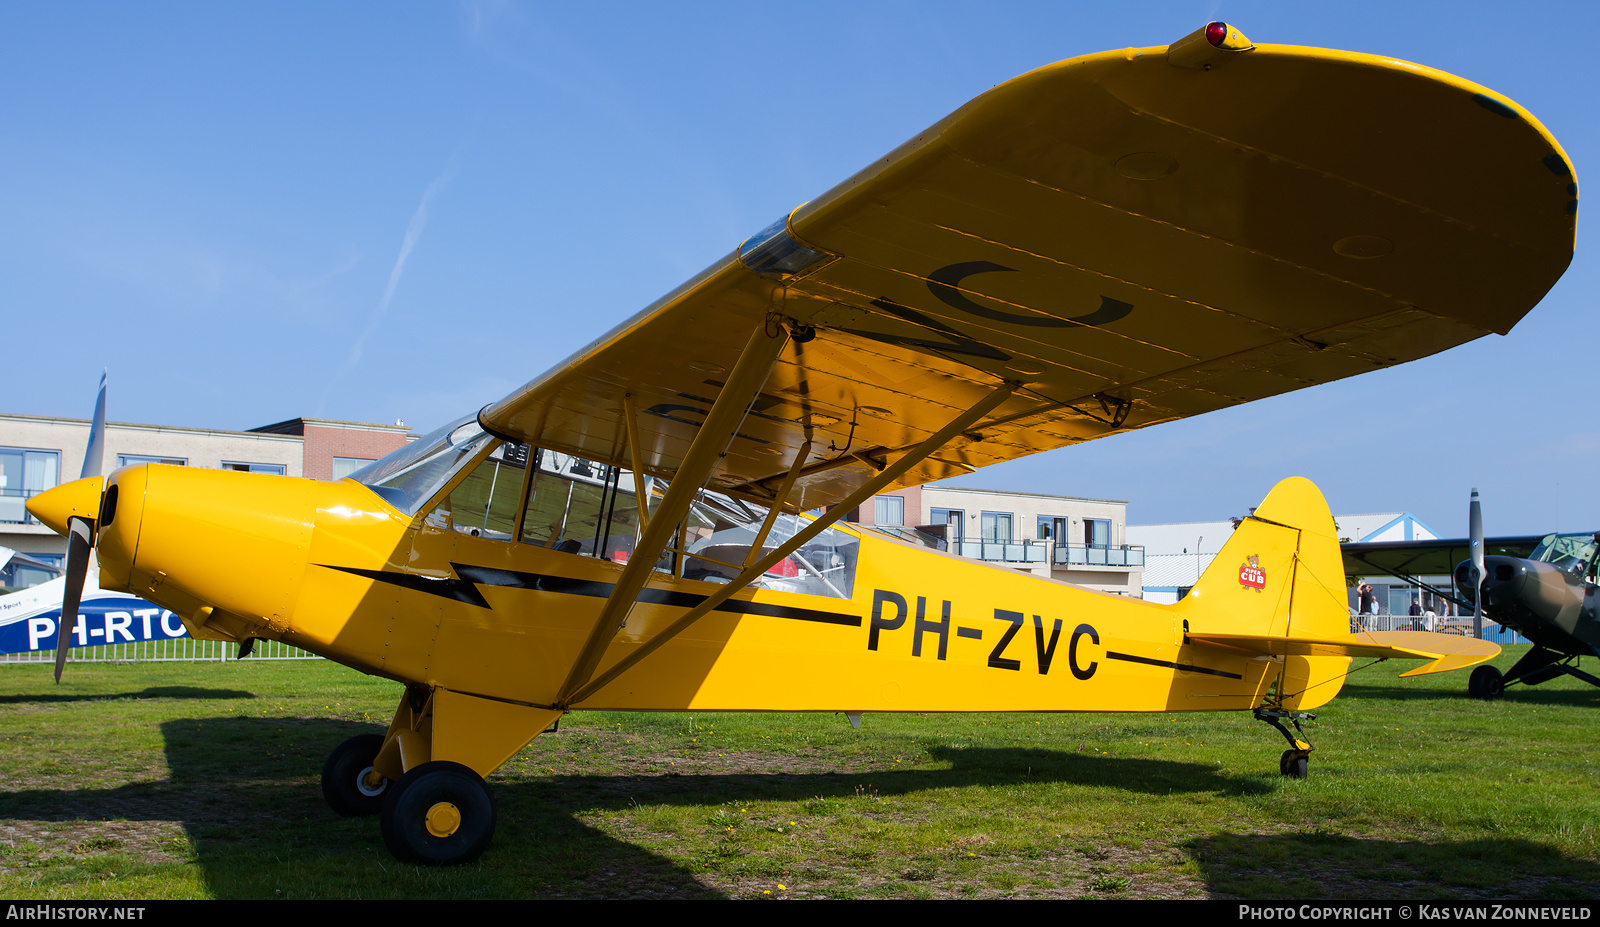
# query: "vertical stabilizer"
[1281,573]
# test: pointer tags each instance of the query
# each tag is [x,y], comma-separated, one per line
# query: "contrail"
[419,220]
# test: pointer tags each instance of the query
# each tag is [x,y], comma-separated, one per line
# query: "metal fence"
[1492,631]
[185,649]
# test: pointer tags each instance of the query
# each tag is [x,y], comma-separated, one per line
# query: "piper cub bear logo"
[1251,575]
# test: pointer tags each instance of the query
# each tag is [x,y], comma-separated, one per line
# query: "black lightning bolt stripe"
[465,589]
[456,589]
[1186,667]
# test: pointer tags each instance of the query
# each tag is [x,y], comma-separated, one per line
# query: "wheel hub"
[443,819]
[369,783]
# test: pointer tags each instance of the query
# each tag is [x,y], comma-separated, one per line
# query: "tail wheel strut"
[1294,761]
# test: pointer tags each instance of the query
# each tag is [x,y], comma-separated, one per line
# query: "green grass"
[201,781]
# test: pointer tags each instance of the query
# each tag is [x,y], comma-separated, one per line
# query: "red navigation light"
[1216,33]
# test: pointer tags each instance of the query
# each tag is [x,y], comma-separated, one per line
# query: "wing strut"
[630,408]
[779,500]
[705,452]
[1403,573]
[867,490]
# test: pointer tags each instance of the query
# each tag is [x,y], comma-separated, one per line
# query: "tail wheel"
[1486,683]
[438,814]
[349,785]
[1294,763]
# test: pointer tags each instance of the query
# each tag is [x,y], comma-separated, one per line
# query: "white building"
[1072,539]
[1176,555]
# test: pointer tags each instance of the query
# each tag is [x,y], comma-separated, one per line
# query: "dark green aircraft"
[1545,588]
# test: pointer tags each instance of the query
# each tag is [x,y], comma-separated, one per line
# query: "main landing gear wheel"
[1293,763]
[350,786]
[1486,683]
[438,814]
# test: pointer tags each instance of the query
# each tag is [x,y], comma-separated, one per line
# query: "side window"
[485,503]
[578,506]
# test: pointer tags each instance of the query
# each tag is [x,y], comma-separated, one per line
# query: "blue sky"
[377,211]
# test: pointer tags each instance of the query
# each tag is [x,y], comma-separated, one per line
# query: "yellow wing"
[1133,240]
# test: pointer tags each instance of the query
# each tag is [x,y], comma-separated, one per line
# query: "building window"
[278,469]
[1097,532]
[125,460]
[996,526]
[1052,528]
[25,472]
[888,510]
[344,466]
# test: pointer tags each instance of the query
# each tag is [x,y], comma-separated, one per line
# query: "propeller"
[1475,539]
[80,535]
[79,539]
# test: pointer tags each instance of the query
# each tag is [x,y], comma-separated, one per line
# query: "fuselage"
[1552,605]
[338,570]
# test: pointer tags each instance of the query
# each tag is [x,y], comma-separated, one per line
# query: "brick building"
[333,450]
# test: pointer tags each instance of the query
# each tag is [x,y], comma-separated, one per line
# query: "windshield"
[1565,551]
[408,477]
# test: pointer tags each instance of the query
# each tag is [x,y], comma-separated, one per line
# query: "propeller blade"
[94,453]
[79,538]
[1475,537]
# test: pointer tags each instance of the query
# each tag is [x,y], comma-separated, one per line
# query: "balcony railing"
[1032,551]
[13,504]
[1128,555]
[995,551]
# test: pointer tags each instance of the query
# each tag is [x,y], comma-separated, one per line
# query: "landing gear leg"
[1294,761]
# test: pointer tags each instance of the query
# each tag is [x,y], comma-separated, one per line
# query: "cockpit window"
[406,478]
[484,505]
[721,533]
[1566,551]
[584,507]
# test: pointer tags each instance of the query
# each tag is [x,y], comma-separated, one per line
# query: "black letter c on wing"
[944,284]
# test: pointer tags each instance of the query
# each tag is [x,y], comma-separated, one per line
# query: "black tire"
[438,814]
[1294,764]
[1486,683]
[344,777]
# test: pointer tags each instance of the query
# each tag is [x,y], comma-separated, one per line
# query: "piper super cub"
[1099,245]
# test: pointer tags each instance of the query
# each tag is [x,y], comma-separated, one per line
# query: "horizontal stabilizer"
[1447,651]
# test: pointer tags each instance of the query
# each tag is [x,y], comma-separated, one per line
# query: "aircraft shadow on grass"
[1578,697]
[178,692]
[245,791]
[1318,864]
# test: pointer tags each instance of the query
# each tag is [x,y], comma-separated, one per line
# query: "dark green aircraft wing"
[1407,559]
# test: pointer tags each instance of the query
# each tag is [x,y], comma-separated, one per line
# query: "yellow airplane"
[1102,244]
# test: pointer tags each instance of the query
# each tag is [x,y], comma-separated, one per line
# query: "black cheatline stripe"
[445,588]
[1186,667]
[465,589]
